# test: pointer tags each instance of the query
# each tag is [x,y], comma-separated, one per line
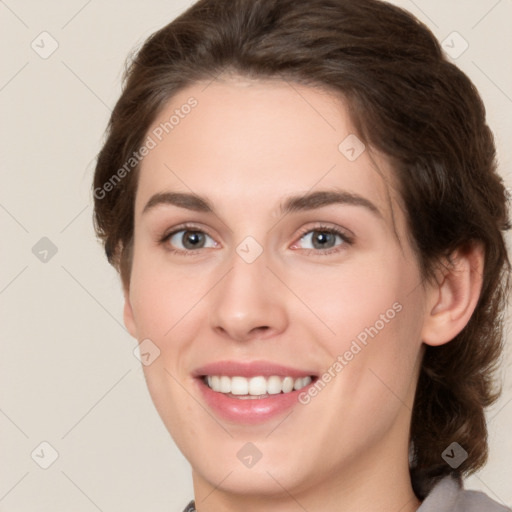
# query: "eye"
[188,239]
[323,239]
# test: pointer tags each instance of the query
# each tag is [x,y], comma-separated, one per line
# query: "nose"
[248,302]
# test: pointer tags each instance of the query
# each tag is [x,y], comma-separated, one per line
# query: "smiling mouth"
[255,387]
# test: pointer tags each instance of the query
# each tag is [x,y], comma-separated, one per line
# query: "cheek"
[373,313]
[161,299]
[163,306]
[355,297]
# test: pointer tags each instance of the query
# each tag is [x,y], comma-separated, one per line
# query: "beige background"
[67,372]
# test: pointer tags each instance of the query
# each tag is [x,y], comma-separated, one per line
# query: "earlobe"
[128,317]
[452,300]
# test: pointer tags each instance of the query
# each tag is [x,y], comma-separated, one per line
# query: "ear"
[453,298]
[128,318]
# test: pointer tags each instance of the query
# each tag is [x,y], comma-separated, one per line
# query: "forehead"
[237,141]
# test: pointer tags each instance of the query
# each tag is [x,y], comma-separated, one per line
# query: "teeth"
[256,386]
[225,385]
[274,385]
[239,386]
[302,383]
[288,383]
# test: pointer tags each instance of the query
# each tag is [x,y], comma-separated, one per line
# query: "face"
[271,263]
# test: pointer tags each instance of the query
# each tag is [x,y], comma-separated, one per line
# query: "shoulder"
[449,496]
[478,501]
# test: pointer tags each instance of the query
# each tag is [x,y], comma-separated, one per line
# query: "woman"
[302,201]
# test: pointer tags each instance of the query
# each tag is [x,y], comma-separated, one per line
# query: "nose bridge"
[245,301]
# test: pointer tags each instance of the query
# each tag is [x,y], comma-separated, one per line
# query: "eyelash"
[346,239]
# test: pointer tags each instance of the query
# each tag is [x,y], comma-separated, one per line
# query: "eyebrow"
[305,202]
[180,199]
[321,198]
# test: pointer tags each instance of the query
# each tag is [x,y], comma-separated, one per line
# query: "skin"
[246,147]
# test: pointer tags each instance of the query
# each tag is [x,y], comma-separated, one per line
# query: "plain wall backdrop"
[68,375]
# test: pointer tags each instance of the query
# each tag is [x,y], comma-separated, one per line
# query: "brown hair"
[407,101]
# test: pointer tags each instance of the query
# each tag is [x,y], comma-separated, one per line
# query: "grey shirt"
[446,496]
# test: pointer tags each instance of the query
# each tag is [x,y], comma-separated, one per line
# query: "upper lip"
[249,369]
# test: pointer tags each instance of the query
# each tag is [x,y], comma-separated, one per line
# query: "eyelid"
[346,235]
[183,227]
[347,239]
[163,239]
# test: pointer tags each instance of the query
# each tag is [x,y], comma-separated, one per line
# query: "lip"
[249,411]
[250,369]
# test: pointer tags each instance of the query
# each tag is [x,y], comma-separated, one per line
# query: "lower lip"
[251,410]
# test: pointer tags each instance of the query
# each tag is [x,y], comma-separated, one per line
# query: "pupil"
[323,239]
[192,239]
